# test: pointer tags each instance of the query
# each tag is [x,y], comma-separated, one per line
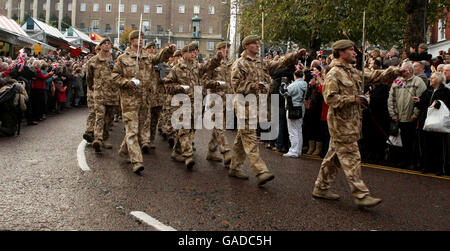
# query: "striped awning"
[11,25]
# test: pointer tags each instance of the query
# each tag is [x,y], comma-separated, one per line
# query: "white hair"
[409,65]
[440,76]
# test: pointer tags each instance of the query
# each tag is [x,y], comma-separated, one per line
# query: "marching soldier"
[105,94]
[132,73]
[90,122]
[221,74]
[248,75]
[167,130]
[341,92]
[188,72]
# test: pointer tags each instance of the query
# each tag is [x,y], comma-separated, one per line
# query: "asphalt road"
[42,187]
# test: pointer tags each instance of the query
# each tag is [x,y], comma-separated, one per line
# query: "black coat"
[427,99]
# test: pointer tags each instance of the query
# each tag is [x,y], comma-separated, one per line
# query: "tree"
[124,35]
[313,23]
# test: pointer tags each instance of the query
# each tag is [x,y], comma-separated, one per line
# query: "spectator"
[422,54]
[402,110]
[295,95]
[60,95]
[12,104]
[435,144]
[419,71]
[391,58]
[447,75]
[313,106]
[38,88]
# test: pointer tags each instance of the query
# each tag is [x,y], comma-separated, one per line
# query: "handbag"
[393,128]
[295,113]
[438,120]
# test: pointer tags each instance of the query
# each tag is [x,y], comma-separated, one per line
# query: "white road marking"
[82,157]
[151,221]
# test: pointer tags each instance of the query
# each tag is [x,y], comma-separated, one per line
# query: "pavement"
[44,188]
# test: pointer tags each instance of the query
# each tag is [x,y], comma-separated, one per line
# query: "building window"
[197,9]
[95,7]
[210,46]
[133,8]
[121,24]
[180,29]
[441,29]
[95,23]
[31,6]
[212,10]
[133,26]
[108,7]
[181,9]
[81,25]
[159,9]
[69,7]
[83,7]
[44,6]
[122,8]
[108,28]
[146,9]
[210,30]
[180,44]
[57,6]
[159,28]
[146,26]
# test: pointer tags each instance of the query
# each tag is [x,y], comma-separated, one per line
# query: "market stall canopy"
[44,32]
[78,37]
[9,27]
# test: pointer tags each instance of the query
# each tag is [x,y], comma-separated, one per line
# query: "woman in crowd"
[38,89]
[435,144]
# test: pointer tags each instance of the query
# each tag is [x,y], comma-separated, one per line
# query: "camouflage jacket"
[342,84]
[99,79]
[125,70]
[191,75]
[221,73]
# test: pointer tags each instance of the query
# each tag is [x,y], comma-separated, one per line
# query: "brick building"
[439,36]
[174,21]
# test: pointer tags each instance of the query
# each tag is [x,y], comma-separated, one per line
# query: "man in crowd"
[402,110]
[248,75]
[132,73]
[419,71]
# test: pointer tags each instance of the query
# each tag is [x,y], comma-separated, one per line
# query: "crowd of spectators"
[52,84]
[397,110]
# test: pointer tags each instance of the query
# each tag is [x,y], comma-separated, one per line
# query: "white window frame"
[122,8]
[44,6]
[69,7]
[210,46]
[211,30]
[108,9]
[181,28]
[146,9]
[212,10]
[181,9]
[196,9]
[97,21]
[83,7]
[95,7]
[180,44]
[159,9]
[57,6]
[133,8]
[146,25]
[441,30]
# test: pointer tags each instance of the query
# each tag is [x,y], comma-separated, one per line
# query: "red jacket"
[61,95]
[324,114]
[39,81]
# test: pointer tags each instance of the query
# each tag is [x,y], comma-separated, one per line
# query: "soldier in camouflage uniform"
[222,73]
[167,130]
[188,72]
[106,98]
[342,92]
[247,75]
[156,96]
[134,96]
[90,122]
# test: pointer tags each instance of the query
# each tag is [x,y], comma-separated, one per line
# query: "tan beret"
[423,46]
[342,45]
[104,40]
[150,44]
[222,45]
[134,34]
[177,53]
[190,48]
[250,40]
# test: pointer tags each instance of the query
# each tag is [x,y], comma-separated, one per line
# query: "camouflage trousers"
[184,143]
[104,116]
[155,114]
[246,144]
[90,122]
[218,141]
[166,123]
[134,115]
[346,156]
